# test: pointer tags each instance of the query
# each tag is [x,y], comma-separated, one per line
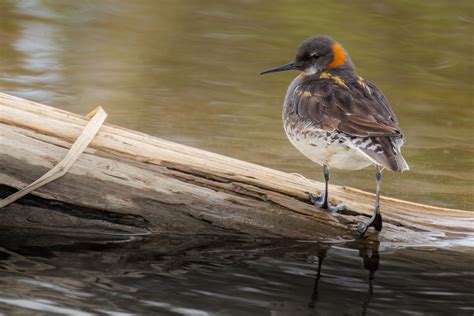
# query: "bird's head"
[316,54]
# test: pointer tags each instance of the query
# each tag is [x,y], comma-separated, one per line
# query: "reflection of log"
[130,182]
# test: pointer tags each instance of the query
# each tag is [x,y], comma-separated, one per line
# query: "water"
[187,71]
[206,275]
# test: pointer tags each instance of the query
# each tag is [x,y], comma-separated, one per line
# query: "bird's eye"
[315,55]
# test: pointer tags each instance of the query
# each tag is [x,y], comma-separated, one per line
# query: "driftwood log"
[129,183]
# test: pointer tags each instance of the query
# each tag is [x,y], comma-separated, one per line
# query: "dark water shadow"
[233,274]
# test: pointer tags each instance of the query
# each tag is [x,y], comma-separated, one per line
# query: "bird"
[339,120]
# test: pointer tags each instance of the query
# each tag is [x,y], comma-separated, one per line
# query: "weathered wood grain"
[128,182]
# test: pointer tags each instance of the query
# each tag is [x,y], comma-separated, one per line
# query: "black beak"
[289,66]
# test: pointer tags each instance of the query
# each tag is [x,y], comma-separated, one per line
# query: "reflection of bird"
[370,259]
[338,119]
[315,296]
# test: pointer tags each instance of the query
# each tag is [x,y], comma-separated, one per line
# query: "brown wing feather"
[356,108]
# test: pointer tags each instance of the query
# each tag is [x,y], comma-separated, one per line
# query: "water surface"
[187,71]
[230,275]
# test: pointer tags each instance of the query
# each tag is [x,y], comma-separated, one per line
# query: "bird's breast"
[330,148]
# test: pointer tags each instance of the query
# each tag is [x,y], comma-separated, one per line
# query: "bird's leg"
[321,200]
[376,219]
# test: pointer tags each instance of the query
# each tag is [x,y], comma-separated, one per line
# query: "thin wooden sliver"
[98,117]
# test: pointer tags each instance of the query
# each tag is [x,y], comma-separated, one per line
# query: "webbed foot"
[320,201]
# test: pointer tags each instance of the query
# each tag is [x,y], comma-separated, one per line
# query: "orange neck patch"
[339,56]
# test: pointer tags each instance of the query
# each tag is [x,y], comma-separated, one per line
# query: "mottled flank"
[324,147]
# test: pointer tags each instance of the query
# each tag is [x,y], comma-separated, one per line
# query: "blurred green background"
[187,71]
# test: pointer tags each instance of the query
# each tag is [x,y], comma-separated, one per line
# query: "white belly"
[326,148]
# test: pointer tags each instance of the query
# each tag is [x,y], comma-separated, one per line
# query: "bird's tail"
[398,163]
[386,152]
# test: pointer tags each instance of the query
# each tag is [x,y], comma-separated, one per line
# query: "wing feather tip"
[397,163]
